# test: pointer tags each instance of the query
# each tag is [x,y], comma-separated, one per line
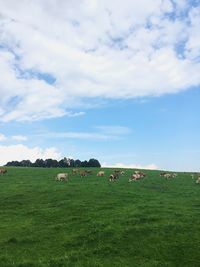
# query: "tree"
[84,163]
[48,163]
[94,163]
[72,163]
[25,163]
[77,163]
[39,163]
[53,163]
[62,163]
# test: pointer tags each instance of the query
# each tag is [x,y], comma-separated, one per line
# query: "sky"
[114,80]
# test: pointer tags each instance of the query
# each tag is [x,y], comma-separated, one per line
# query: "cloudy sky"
[110,79]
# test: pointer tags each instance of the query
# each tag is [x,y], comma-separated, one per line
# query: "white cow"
[135,177]
[170,175]
[167,175]
[101,173]
[62,177]
[198,181]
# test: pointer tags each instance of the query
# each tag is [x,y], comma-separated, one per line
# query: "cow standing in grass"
[62,177]
[137,176]
[3,171]
[195,175]
[75,171]
[167,176]
[170,175]
[113,177]
[83,174]
[162,174]
[101,173]
[142,174]
[198,180]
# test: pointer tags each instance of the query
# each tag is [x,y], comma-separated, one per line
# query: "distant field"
[90,222]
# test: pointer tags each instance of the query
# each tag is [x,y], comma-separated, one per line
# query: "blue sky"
[117,82]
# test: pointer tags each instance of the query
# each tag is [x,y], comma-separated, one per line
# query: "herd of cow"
[137,175]
[83,173]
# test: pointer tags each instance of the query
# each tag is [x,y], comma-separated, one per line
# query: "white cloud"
[2,137]
[193,44]
[54,55]
[20,152]
[80,135]
[102,132]
[19,138]
[131,166]
[84,135]
[113,130]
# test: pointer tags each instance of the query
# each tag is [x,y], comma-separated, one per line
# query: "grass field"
[90,222]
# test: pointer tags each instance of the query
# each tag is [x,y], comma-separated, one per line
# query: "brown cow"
[75,171]
[83,174]
[3,171]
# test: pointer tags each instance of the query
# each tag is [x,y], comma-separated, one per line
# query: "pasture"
[91,222]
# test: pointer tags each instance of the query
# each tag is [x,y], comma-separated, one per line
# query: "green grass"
[90,222]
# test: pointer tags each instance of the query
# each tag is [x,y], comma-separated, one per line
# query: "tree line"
[53,163]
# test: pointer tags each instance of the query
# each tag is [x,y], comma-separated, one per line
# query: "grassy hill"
[92,222]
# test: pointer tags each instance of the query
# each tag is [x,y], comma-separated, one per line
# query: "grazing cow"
[113,177]
[101,173]
[75,171]
[169,175]
[119,172]
[194,175]
[83,174]
[135,177]
[62,177]
[142,174]
[3,171]
[163,173]
[198,180]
